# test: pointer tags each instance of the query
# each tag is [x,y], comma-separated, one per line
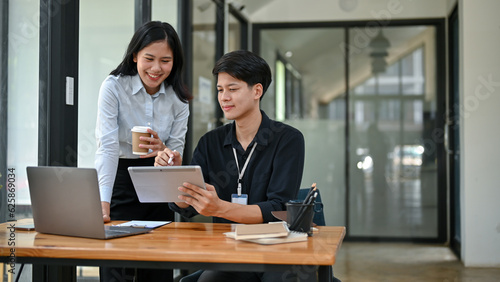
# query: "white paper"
[144,224]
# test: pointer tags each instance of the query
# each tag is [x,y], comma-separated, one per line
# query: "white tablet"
[160,184]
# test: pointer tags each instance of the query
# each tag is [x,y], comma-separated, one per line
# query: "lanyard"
[240,174]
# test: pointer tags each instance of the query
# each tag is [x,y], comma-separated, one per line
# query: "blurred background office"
[397,100]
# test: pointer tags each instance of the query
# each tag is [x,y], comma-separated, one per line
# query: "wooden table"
[181,245]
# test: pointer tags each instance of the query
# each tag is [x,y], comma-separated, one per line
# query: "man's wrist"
[224,209]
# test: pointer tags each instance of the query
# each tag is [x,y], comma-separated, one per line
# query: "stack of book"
[266,233]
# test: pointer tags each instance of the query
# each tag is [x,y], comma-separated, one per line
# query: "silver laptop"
[160,184]
[66,201]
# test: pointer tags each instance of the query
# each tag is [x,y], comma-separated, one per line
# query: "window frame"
[4,49]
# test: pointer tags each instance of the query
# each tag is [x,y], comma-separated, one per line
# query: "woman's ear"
[134,57]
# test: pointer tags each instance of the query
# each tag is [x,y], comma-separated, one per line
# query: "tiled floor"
[405,262]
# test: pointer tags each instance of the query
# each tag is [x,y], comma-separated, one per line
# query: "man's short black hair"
[246,66]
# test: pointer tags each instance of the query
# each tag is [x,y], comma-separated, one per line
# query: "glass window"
[388,81]
[389,110]
[289,94]
[23,62]
[204,96]
[412,73]
[280,91]
[234,36]
[413,112]
[165,11]
[104,36]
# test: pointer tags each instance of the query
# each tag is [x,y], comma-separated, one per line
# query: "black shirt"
[273,174]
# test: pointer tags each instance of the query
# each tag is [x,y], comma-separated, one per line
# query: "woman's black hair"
[148,33]
[245,66]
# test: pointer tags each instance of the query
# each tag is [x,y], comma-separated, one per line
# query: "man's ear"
[259,91]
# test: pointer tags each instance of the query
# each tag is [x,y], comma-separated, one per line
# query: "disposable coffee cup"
[299,216]
[137,132]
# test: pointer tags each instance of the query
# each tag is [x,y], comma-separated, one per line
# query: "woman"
[146,89]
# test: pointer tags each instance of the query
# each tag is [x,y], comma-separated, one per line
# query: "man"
[252,166]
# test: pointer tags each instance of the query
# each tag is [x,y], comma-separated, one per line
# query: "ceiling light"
[379,45]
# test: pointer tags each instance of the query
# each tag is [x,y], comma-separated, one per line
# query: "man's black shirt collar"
[231,139]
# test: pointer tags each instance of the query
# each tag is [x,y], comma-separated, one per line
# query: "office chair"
[193,277]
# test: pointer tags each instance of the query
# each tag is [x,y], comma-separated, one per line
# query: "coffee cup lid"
[138,128]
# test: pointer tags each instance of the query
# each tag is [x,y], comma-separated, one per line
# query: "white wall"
[381,10]
[480,101]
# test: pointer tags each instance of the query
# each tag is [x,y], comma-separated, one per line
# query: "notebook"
[263,230]
[160,184]
[266,233]
[293,236]
[66,201]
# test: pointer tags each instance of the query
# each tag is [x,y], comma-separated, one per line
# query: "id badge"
[243,199]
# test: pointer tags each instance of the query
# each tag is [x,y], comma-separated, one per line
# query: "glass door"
[374,149]
[392,110]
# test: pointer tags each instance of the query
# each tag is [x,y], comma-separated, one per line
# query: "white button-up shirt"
[123,104]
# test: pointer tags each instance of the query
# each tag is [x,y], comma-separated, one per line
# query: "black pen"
[309,194]
[313,198]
